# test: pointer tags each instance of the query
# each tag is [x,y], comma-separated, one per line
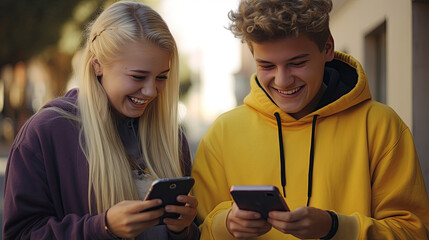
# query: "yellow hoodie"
[365,167]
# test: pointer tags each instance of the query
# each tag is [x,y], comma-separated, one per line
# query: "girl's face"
[135,78]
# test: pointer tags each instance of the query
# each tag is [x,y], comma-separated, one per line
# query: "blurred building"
[390,38]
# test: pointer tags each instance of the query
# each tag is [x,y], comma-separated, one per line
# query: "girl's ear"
[329,49]
[97,67]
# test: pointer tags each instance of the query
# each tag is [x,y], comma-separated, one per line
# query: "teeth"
[290,91]
[137,100]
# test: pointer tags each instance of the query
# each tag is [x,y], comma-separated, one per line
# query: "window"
[375,62]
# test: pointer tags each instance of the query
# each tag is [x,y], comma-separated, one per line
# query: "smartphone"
[258,198]
[167,189]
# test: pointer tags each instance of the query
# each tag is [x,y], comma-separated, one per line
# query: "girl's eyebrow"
[146,72]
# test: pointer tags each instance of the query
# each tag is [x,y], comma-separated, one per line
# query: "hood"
[67,103]
[347,86]
[343,67]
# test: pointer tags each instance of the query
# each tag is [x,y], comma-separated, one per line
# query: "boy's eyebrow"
[290,59]
[261,61]
[299,56]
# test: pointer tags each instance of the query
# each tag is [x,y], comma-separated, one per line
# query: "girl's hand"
[304,222]
[245,224]
[127,219]
[187,213]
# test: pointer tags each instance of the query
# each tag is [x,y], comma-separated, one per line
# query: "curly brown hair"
[264,20]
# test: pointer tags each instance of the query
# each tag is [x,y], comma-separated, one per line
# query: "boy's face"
[291,71]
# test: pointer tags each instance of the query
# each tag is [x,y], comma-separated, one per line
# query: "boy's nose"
[284,78]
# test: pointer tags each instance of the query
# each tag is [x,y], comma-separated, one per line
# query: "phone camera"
[172,186]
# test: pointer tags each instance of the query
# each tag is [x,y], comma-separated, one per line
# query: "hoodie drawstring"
[282,157]
[310,167]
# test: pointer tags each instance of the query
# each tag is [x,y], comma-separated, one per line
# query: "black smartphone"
[167,189]
[258,198]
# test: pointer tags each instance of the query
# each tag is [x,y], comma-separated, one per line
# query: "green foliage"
[28,27]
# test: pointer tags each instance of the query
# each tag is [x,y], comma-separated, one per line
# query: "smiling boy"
[346,164]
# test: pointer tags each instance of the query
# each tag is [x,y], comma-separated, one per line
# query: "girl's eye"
[162,78]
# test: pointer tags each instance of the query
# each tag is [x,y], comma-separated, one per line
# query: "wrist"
[334,226]
[106,227]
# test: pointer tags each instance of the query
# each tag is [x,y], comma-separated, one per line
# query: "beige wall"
[351,20]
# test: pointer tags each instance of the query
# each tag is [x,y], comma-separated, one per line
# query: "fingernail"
[180,198]
[167,208]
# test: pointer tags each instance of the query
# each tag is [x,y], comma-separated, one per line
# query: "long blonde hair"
[110,178]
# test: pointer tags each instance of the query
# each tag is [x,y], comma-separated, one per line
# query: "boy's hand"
[245,224]
[304,222]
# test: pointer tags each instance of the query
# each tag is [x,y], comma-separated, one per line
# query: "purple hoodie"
[46,182]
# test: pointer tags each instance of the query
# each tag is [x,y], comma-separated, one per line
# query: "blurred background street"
[4,150]
[40,42]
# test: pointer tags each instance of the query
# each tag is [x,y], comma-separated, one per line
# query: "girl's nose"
[149,88]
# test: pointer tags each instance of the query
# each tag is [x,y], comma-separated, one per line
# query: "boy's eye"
[138,77]
[297,63]
[266,66]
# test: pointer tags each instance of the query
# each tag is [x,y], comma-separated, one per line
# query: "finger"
[281,216]
[244,214]
[146,216]
[131,207]
[299,214]
[293,216]
[285,227]
[246,223]
[182,210]
[252,223]
[238,234]
[190,201]
[255,228]
[286,222]
[250,215]
[148,205]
